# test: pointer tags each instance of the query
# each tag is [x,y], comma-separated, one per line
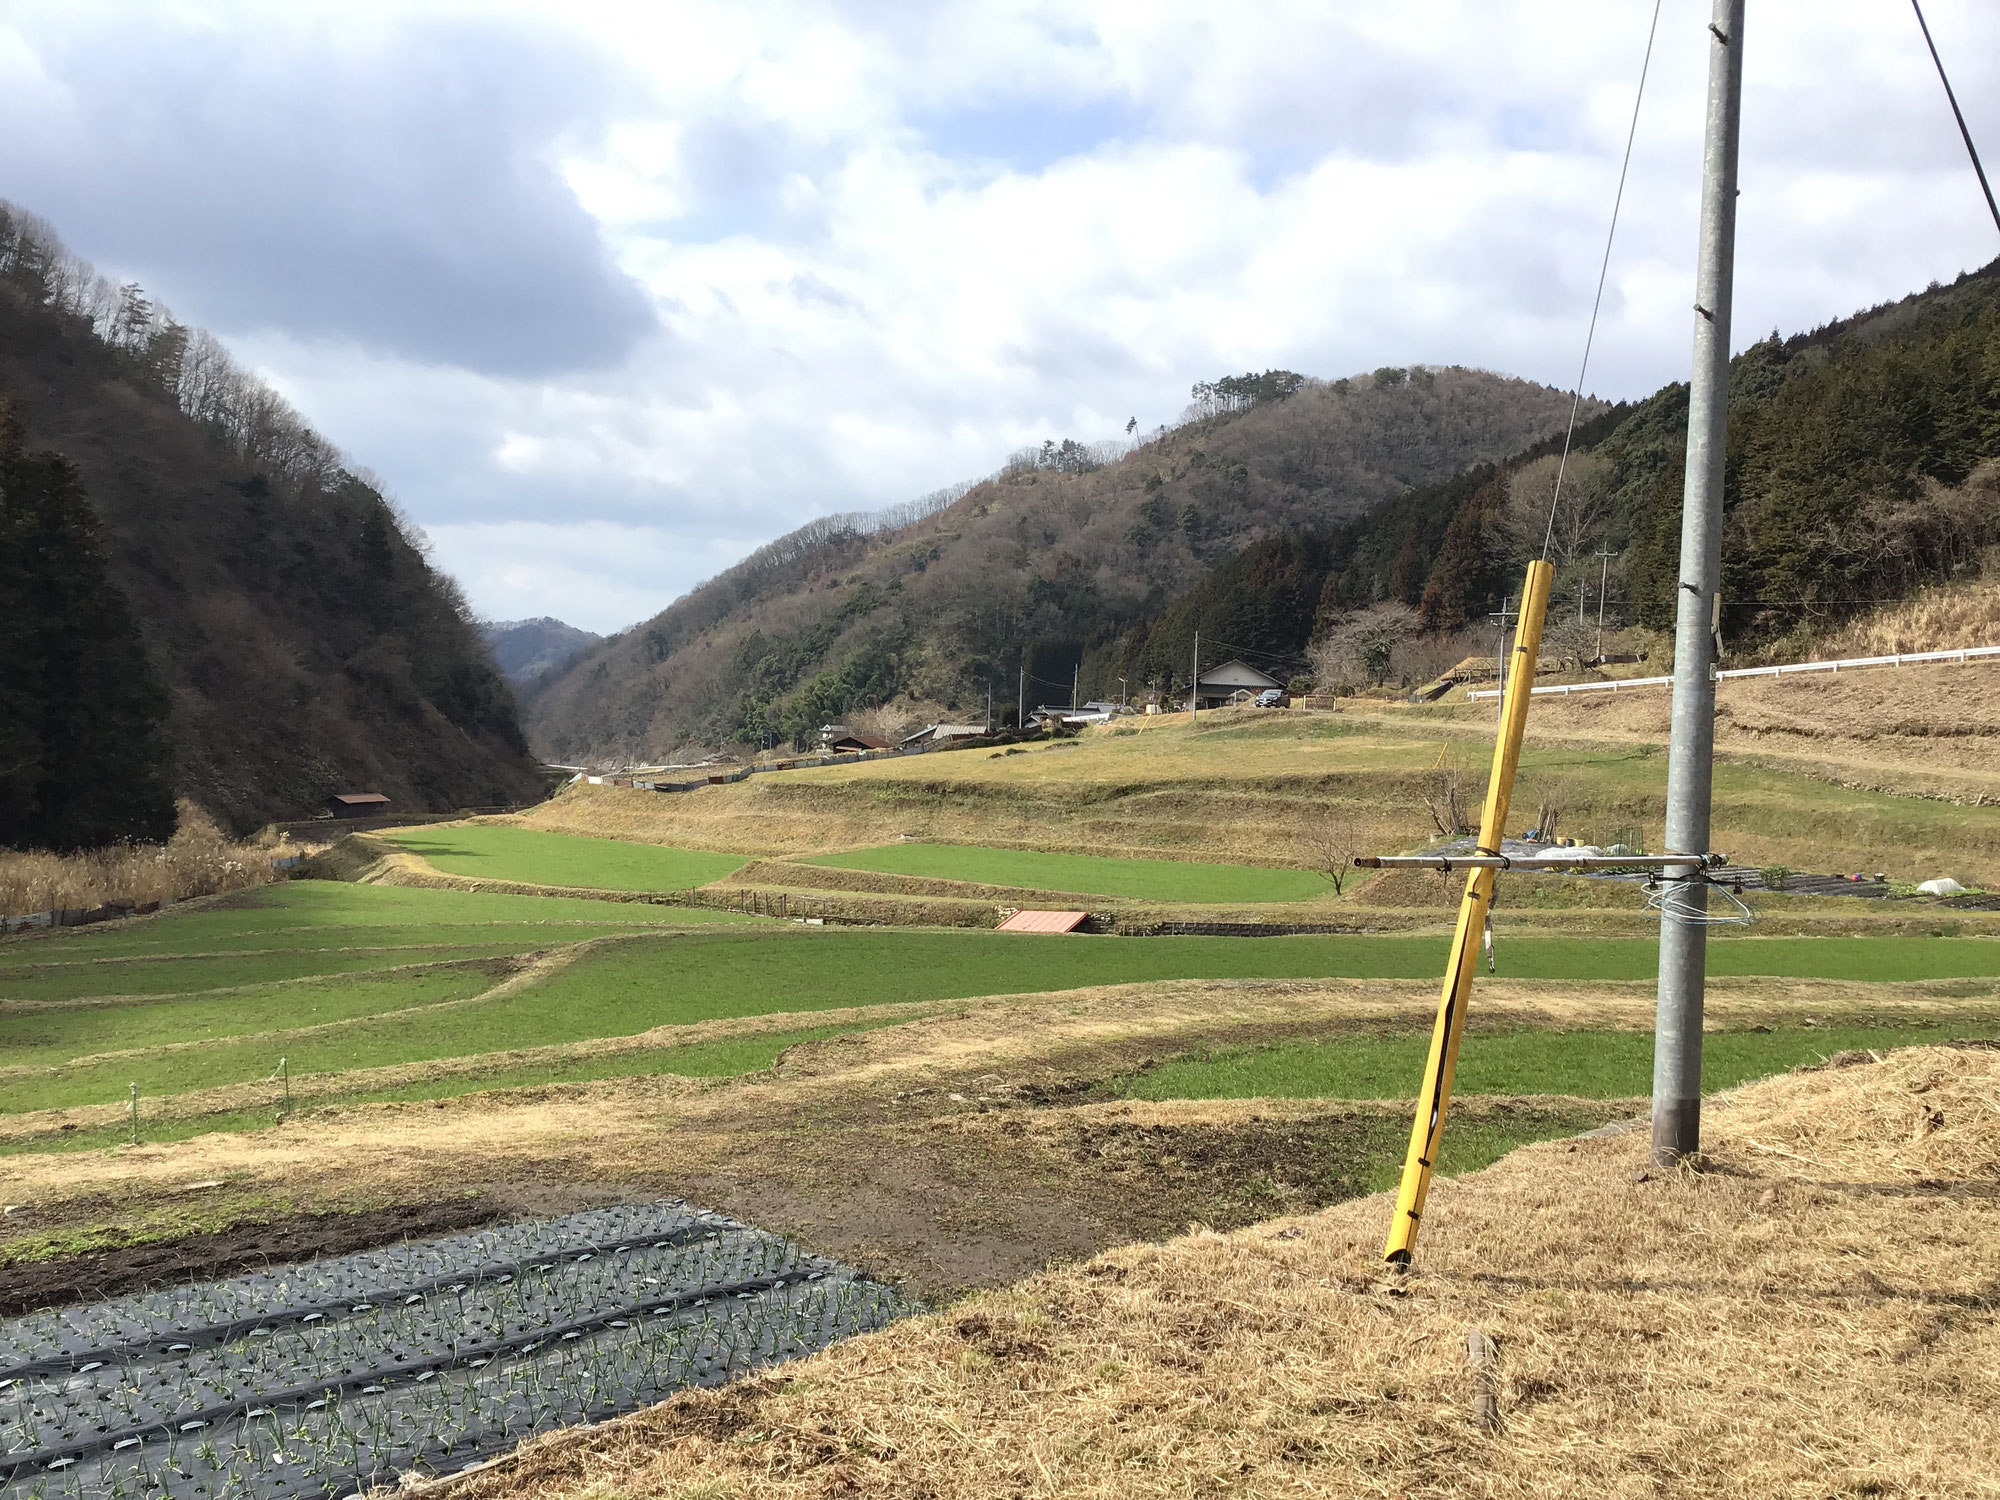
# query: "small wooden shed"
[356,804]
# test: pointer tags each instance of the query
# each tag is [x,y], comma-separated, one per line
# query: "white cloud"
[884,245]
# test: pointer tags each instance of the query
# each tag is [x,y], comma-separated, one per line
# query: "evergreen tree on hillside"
[83,754]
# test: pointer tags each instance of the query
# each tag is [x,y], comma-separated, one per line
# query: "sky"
[610,294]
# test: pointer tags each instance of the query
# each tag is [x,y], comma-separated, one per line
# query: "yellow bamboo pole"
[1427,1131]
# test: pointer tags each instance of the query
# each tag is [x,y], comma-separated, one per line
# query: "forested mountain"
[526,649]
[1854,477]
[83,755]
[1046,563]
[304,643]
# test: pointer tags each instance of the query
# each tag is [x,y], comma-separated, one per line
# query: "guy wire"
[1604,268]
[1959,115]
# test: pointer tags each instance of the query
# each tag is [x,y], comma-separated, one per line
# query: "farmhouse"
[1068,718]
[356,804]
[847,742]
[938,734]
[1232,682]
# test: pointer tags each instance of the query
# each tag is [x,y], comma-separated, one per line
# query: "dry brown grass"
[199,860]
[1814,1323]
[1938,619]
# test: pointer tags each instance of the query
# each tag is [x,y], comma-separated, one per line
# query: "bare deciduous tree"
[1446,789]
[1361,647]
[1555,795]
[1581,510]
[1331,839]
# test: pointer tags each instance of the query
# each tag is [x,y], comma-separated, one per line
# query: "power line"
[1603,270]
[1958,115]
[1278,656]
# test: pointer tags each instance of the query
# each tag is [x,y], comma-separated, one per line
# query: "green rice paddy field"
[1588,1064]
[498,852]
[336,978]
[1087,874]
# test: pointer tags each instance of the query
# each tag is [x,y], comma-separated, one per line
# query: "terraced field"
[939,1107]
[496,852]
[1140,879]
[351,993]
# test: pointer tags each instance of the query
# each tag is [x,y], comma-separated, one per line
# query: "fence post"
[135,1113]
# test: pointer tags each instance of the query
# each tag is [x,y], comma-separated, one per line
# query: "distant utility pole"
[1021,699]
[1194,694]
[989,708]
[1121,692]
[1075,677]
[1603,574]
[1691,742]
[1500,650]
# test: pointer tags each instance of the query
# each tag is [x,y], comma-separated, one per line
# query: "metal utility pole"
[1121,692]
[1691,746]
[1194,694]
[1500,651]
[1075,677]
[989,708]
[1021,699]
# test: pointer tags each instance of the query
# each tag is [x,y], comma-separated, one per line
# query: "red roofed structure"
[1044,921]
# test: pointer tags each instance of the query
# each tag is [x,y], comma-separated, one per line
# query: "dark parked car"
[1269,698]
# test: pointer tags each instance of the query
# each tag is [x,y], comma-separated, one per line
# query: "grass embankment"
[1804,781]
[1586,1064]
[498,852]
[1140,879]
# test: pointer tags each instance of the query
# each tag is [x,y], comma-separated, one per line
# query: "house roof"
[1044,921]
[357,799]
[945,732]
[866,741]
[1237,674]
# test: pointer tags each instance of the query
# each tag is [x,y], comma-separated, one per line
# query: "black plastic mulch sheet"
[324,1378]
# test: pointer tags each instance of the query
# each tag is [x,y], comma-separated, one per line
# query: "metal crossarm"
[1551,861]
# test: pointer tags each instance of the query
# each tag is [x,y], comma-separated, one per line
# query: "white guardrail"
[1906,659]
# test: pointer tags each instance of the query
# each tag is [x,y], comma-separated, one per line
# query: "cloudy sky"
[611,293]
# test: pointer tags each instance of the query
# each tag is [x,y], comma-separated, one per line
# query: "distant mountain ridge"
[1863,466]
[305,644]
[1027,574]
[524,650]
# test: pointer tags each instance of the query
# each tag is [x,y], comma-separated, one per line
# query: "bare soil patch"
[98,1274]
